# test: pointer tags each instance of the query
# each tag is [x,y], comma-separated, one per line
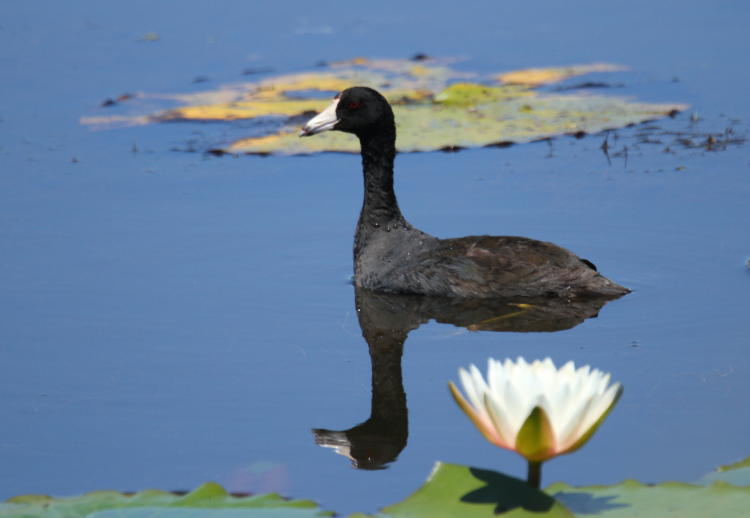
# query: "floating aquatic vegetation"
[450,490]
[543,76]
[436,106]
[454,490]
[206,500]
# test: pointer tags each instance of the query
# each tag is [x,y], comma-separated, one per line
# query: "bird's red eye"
[353,105]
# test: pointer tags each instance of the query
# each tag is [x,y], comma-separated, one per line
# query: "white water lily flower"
[536,409]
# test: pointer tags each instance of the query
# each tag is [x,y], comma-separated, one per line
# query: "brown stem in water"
[534,477]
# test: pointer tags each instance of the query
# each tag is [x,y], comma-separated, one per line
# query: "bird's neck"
[380,207]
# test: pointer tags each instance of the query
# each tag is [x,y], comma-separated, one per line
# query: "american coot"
[391,255]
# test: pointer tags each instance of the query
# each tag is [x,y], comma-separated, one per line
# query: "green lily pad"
[436,107]
[209,500]
[631,499]
[453,490]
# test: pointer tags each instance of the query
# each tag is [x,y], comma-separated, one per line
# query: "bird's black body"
[390,255]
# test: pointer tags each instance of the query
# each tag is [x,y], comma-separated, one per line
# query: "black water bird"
[391,255]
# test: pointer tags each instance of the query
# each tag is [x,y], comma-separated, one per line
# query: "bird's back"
[493,266]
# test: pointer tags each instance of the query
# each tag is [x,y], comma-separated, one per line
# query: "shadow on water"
[586,503]
[386,321]
[507,493]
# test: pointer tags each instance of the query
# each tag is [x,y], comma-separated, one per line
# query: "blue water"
[170,318]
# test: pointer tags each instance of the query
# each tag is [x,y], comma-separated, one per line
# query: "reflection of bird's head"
[364,454]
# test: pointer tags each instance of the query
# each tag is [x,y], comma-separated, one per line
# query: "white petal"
[473,392]
[598,407]
[573,429]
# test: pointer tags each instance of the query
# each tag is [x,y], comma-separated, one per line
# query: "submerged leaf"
[737,474]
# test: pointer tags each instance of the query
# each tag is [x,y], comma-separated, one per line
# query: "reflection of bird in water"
[386,321]
[391,255]
[379,440]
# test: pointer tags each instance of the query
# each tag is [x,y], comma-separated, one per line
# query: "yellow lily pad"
[436,107]
[427,127]
[543,76]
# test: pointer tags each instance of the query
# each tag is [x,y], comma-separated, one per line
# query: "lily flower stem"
[534,477]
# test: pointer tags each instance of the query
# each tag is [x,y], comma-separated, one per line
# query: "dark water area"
[170,318]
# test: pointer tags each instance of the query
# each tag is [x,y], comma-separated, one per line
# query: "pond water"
[170,318]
